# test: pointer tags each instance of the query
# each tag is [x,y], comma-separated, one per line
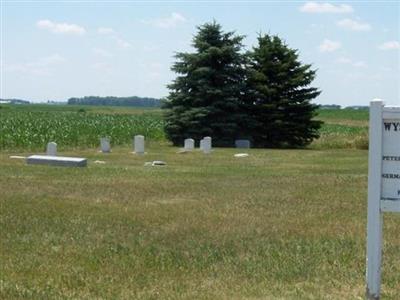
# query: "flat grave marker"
[61,161]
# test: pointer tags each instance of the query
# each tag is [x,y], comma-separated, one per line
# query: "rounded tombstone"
[51,149]
[138,144]
[188,144]
[105,145]
[207,144]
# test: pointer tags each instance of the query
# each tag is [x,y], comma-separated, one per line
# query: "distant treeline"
[14,101]
[116,101]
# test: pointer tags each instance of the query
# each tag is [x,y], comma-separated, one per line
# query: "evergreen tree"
[281,111]
[207,97]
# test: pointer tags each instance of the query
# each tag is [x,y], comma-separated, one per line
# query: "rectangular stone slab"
[62,161]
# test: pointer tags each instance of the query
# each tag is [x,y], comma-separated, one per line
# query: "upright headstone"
[105,145]
[138,144]
[189,144]
[51,149]
[242,144]
[201,144]
[207,144]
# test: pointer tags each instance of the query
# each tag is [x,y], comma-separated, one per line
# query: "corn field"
[33,130]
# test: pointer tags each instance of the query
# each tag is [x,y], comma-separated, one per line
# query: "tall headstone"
[207,144]
[242,144]
[201,144]
[105,145]
[51,149]
[189,144]
[138,144]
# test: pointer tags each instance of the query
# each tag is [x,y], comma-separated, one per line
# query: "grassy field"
[279,224]
[343,129]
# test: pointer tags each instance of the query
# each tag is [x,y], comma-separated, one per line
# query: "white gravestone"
[105,145]
[138,144]
[383,184]
[201,144]
[51,149]
[242,144]
[207,144]
[189,144]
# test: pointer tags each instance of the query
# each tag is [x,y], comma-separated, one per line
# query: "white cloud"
[348,61]
[151,48]
[40,67]
[360,64]
[343,60]
[102,66]
[51,60]
[102,52]
[105,30]
[329,46]
[122,43]
[353,25]
[62,28]
[115,36]
[317,7]
[391,45]
[172,21]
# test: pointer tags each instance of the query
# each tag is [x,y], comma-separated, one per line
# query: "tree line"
[116,101]
[227,92]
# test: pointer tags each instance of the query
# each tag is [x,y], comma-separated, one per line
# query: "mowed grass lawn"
[279,224]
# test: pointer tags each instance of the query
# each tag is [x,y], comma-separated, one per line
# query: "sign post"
[383,184]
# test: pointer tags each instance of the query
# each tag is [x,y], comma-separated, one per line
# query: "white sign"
[391,161]
[383,184]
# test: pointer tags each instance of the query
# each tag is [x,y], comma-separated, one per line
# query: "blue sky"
[54,50]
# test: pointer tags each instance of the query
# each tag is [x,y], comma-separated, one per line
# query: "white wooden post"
[374,226]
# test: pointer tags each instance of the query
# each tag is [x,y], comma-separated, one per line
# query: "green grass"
[343,129]
[279,224]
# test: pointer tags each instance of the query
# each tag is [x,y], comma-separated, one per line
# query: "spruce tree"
[281,110]
[207,97]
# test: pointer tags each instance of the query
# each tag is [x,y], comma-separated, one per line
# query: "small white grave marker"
[201,144]
[188,144]
[105,145]
[207,142]
[383,184]
[241,155]
[51,149]
[138,144]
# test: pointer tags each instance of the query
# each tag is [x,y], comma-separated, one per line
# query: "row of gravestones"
[138,144]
